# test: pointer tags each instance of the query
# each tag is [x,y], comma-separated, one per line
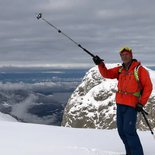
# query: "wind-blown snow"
[33,139]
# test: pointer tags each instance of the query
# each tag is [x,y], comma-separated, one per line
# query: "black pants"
[126,124]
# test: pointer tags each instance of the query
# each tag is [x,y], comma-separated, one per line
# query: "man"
[131,96]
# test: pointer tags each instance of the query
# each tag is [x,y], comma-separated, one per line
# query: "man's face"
[126,57]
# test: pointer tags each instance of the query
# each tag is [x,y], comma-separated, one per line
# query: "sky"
[100,26]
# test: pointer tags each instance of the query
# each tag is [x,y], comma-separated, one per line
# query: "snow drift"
[33,139]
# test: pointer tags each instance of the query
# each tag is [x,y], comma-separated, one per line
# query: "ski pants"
[126,125]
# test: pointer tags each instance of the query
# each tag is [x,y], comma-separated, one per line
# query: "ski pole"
[39,16]
[147,122]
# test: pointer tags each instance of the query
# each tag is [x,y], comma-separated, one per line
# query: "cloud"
[102,27]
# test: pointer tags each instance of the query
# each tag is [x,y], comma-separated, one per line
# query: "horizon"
[66,66]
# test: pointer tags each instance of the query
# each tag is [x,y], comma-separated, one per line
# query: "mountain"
[92,104]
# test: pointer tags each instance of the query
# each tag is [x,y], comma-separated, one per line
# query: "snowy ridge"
[34,139]
[92,104]
[6,117]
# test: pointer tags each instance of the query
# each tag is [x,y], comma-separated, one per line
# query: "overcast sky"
[101,26]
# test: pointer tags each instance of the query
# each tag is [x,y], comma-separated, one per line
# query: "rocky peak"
[92,104]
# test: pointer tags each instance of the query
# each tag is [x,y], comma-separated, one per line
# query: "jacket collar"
[132,65]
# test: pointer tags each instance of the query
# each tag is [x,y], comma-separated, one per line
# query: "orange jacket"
[127,84]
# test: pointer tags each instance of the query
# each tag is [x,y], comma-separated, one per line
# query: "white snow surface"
[6,117]
[34,139]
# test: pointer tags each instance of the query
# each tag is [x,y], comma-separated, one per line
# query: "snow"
[6,117]
[152,75]
[34,139]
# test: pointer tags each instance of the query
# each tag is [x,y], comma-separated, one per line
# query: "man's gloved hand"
[139,107]
[97,60]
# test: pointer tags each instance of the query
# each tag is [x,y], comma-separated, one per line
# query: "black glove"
[139,107]
[97,60]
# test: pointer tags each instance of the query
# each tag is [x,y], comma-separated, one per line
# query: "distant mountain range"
[92,104]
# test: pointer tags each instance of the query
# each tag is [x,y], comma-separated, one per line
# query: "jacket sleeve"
[146,83]
[108,73]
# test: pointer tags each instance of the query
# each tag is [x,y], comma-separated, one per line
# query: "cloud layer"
[101,26]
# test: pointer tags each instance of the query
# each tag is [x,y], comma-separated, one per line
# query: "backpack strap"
[136,72]
[120,69]
[137,94]
[137,79]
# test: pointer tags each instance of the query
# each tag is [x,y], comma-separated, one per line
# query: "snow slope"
[33,139]
[6,117]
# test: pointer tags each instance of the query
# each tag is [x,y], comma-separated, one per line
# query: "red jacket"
[127,84]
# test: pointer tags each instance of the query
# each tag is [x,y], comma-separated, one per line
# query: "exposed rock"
[92,104]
